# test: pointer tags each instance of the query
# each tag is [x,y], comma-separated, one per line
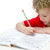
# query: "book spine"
[3,43]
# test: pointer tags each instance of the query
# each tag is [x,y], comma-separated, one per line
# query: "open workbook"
[21,40]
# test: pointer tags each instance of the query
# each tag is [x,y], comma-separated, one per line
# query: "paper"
[36,42]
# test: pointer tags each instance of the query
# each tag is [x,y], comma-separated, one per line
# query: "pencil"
[26,18]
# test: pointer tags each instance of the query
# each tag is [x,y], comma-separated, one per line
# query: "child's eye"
[44,16]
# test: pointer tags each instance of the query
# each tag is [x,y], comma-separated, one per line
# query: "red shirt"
[35,22]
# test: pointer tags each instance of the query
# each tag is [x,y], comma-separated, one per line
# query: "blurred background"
[11,13]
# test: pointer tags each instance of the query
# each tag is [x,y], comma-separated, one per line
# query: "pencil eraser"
[22,10]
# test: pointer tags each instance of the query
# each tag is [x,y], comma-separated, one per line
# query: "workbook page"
[35,42]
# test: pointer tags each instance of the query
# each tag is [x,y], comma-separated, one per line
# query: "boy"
[40,24]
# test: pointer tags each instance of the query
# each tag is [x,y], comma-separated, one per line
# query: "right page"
[35,42]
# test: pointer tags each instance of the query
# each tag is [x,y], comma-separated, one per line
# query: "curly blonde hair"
[38,4]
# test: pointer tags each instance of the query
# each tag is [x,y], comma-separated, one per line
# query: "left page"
[8,37]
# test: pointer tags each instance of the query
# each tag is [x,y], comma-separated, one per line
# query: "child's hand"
[29,30]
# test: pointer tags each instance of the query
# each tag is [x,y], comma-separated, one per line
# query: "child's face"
[45,15]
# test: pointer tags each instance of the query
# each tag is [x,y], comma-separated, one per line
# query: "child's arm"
[45,30]
[27,30]
[30,30]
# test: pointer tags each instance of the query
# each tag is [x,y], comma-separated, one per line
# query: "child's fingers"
[33,29]
[30,30]
[29,33]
